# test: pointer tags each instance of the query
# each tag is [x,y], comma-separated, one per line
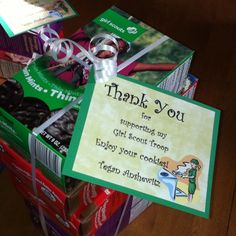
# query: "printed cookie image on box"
[29,99]
[143,52]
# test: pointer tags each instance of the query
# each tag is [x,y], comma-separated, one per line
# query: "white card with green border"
[18,16]
[144,141]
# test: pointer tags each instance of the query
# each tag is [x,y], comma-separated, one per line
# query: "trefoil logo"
[132,30]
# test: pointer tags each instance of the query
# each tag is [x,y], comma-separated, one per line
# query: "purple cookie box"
[118,221]
[26,43]
[133,209]
[110,227]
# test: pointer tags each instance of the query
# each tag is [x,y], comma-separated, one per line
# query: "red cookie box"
[11,63]
[64,204]
[84,200]
[123,216]
[126,213]
[93,197]
[70,225]
[90,225]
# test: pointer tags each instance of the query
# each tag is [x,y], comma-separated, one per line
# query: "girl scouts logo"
[132,30]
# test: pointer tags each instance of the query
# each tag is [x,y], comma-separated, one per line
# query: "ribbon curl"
[105,68]
[62,50]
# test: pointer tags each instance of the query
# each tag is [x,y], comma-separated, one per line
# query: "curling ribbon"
[32,144]
[62,50]
[104,68]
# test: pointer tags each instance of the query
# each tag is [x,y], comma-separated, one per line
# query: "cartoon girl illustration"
[192,174]
[185,172]
[57,8]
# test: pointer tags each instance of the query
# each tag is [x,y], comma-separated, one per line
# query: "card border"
[11,34]
[75,141]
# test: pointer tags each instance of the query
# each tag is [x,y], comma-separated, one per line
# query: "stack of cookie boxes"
[17,51]
[39,90]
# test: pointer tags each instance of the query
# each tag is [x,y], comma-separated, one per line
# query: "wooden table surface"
[209,28]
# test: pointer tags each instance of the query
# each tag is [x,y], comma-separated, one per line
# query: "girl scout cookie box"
[64,227]
[118,221]
[27,101]
[139,46]
[63,203]
[10,63]
[143,52]
[85,199]
[190,86]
